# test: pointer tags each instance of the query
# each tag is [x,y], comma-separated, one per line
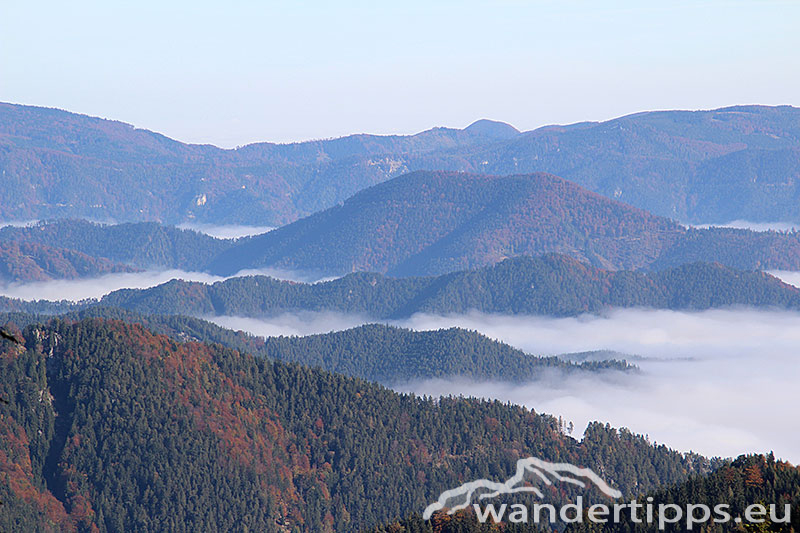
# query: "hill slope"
[434,222]
[697,166]
[107,422]
[375,352]
[545,285]
[143,244]
[25,261]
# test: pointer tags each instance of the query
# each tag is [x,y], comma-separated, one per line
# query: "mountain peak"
[492,128]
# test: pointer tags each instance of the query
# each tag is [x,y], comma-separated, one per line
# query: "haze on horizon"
[247,71]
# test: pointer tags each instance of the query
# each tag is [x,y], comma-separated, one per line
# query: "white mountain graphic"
[544,470]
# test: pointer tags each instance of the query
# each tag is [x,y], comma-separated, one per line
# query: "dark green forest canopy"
[545,285]
[375,352]
[109,426]
[550,285]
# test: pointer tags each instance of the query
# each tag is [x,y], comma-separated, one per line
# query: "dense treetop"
[545,285]
[109,427]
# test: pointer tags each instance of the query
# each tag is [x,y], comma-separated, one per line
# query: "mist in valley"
[787,276]
[225,231]
[718,382]
[86,288]
[753,226]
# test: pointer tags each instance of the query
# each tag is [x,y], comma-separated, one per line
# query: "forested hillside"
[390,355]
[375,352]
[26,261]
[425,223]
[428,223]
[545,285]
[144,245]
[437,222]
[694,166]
[109,427]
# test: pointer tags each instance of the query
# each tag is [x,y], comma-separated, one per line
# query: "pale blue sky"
[240,71]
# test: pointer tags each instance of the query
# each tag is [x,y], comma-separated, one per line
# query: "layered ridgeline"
[749,480]
[375,352]
[701,166]
[429,223]
[434,222]
[29,261]
[60,164]
[109,427]
[552,285]
[142,245]
[546,285]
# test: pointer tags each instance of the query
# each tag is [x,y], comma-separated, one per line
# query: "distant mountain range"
[702,166]
[428,223]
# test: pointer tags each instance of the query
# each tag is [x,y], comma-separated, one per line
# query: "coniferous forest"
[111,427]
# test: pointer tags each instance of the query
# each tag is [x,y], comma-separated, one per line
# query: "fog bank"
[18,223]
[226,231]
[300,324]
[787,276]
[754,226]
[720,382]
[80,289]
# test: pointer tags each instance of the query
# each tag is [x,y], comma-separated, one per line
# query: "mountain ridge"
[552,285]
[429,223]
[694,166]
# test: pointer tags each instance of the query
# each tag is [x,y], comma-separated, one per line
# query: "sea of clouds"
[84,288]
[787,276]
[720,382]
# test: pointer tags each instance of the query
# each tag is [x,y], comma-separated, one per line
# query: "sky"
[236,72]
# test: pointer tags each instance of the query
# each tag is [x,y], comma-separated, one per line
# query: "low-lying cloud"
[754,226]
[300,324]
[720,382]
[81,289]
[18,223]
[787,276]
[226,231]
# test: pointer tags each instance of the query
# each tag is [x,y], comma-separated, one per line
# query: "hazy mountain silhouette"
[427,223]
[698,166]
